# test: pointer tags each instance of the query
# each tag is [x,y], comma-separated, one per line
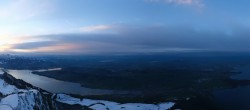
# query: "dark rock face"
[16,82]
[62,106]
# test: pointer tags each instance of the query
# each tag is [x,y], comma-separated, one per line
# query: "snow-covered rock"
[12,97]
[6,89]
[101,104]
[5,107]
[21,99]
[1,72]
[11,100]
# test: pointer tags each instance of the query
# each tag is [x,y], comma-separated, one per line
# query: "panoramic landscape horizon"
[124,55]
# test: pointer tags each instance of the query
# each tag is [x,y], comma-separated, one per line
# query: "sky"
[116,26]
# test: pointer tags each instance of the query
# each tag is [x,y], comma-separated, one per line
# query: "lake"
[235,98]
[57,86]
[244,75]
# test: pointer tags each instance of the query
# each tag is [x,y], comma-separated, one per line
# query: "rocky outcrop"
[15,94]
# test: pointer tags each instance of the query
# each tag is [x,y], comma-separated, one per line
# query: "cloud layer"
[95,28]
[140,39]
[181,2]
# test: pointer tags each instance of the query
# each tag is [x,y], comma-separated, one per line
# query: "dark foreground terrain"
[187,78]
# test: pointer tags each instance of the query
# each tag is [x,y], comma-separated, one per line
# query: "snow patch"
[101,104]
[11,100]
[1,72]
[5,107]
[19,99]
[6,89]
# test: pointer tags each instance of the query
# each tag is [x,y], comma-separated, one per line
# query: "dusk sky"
[104,26]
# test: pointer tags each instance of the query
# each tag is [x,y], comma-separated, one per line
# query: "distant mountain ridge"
[8,61]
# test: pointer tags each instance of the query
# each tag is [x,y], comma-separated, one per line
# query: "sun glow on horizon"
[7,44]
